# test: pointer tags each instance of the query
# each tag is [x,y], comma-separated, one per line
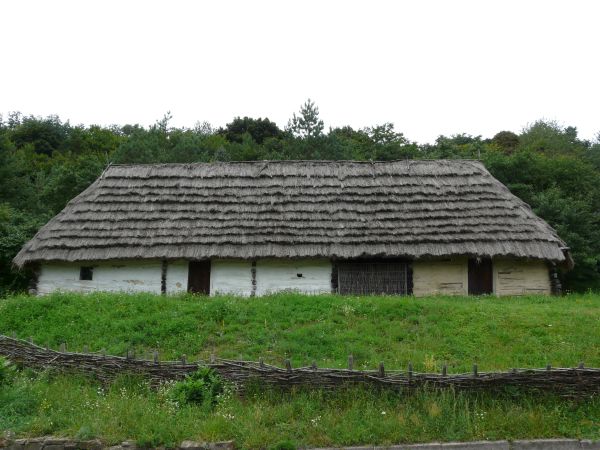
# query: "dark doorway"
[480,276]
[199,277]
[373,277]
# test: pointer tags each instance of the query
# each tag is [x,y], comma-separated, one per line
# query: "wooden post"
[381,371]
[155,356]
[313,365]
[86,349]
[261,363]
[410,372]
[63,347]
[14,334]
[213,358]
[474,370]
[444,370]
[513,371]
[548,367]
[183,359]
[580,365]
[288,365]
[103,352]
[350,362]
[31,339]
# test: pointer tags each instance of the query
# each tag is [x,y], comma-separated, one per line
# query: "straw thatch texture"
[339,209]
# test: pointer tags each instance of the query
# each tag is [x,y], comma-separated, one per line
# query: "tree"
[507,141]
[307,124]
[260,129]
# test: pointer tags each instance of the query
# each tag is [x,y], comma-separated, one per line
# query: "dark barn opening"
[199,277]
[374,277]
[480,276]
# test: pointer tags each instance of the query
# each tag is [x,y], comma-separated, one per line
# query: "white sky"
[430,67]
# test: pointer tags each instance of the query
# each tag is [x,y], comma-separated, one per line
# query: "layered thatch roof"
[340,209]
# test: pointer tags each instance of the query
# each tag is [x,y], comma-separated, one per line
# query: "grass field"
[496,333]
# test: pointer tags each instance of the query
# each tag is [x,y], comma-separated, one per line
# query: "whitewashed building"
[254,228]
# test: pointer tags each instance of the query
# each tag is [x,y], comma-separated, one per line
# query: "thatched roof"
[340,209]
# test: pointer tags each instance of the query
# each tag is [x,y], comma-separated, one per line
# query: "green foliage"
[202,387]
[284,445]
[307,123]
[496,333]
[45,162]
[65,405]
[7,372]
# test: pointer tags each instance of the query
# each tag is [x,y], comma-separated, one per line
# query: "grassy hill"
[496,333]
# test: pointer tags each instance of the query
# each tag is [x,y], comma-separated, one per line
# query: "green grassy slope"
[496,333]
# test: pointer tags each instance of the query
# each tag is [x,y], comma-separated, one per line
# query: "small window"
[86,273]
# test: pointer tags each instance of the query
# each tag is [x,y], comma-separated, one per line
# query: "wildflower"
[383,413]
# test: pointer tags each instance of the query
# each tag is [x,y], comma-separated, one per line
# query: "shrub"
[201,387]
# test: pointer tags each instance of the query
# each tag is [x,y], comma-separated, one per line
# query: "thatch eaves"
[282,209]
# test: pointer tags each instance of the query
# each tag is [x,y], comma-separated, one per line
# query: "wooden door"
[480,276]
[199,277]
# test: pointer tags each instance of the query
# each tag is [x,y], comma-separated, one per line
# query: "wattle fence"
[565,381]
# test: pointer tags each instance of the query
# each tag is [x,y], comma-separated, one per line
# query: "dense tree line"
[45,162]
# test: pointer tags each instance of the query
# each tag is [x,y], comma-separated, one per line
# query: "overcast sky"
[430,67]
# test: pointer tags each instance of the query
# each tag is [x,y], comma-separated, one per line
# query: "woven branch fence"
[565,381]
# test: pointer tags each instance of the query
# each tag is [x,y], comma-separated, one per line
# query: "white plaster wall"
[230,276]
[441,277]
[520,277]
[177,276]
[130,276]
[274,275]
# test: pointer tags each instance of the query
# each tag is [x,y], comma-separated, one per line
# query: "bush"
[201,387]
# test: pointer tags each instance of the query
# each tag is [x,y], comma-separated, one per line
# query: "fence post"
[444,370]
[261,363]
[31,339]
[155,356]
[288,365]
[313,365]
[213,358]
[350,362]
[580,366]
[86,349]
[381,370]
[474,370]
[183,359]
[103,352]
[410,372]
[63,347]
[548,367]
[14,334]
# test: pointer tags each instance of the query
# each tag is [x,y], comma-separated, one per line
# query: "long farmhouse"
[253,228]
